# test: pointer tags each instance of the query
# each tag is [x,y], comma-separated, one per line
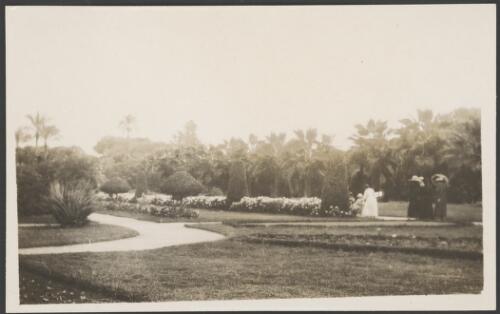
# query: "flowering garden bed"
[206,202]
[300,206]
[304,206]
[162,206]
[439,247]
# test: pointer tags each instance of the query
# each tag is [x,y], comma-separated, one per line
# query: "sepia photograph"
[277,157]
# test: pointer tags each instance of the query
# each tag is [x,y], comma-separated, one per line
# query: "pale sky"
[242,70]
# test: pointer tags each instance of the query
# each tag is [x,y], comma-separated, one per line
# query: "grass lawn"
[37,219]
[456,237]
[53,236]
[36,289]
[455,212]
[443,232]
[238,270]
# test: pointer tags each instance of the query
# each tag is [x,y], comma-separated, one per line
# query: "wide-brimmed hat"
[438,177]
[416,178]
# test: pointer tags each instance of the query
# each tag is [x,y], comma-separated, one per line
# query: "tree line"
[302,164]
[281,166]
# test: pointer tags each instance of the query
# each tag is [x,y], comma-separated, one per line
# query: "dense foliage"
[71,203]
[335,193]
[301,165]
[37,170]
[237,185]
[207,202]
[308,206]
[296,166]
[181,184]
[157,205]
[115,186]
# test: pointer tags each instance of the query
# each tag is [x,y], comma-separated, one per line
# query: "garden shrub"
[175,210]
[215,191]
[358,181]
[101,196]
[335,192]
[139,191]
[161,201]
[31,189]
[34,175]
[208,202]
[308,206]
[168,208]
[115,186]
[181,184]
[237,185]
[71,203]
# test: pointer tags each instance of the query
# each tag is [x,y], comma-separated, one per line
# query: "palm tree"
[188,136]
[277,144]
[421,140]
[128,124]
[463,149]
[301,162]
[37,122]
[22,136]
[47,132]
[372,150]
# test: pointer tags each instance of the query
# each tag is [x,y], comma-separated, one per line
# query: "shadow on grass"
[112,292]
[428,251]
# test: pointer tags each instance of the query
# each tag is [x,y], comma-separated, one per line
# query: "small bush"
[176,210]
[215,191]
[110,205]
[71,203]
[122,206]
[308,206]
[181,184]
[115,186]
[208,202]
[161,202]
[167,208]
[133,200]
[139,191]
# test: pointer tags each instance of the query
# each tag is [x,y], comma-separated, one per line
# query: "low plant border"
[434,252]
[260,222]
[114,293]
[323,223]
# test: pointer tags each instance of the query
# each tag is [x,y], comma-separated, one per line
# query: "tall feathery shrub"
[335,192]
[181,184]
[237,185]
[71,203]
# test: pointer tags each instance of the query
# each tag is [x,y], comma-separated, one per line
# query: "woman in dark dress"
[440,183]
[425,209]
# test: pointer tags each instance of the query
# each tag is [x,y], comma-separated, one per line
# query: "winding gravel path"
[152,235]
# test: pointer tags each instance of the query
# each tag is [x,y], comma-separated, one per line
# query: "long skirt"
[412,208]
[370,209]
[425,210]
[440,209]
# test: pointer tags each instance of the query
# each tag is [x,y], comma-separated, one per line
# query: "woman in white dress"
[370,209]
